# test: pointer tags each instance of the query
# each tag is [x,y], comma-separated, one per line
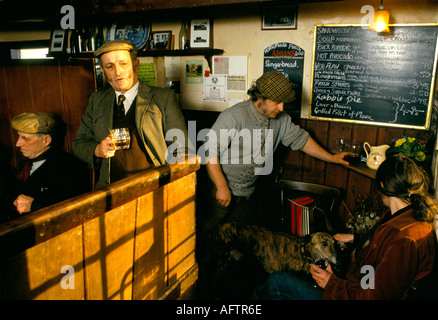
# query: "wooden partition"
[134,239]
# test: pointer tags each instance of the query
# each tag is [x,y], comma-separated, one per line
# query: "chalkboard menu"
[288,59]
[364,76]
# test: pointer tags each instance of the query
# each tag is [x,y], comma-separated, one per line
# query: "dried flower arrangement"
[367,212]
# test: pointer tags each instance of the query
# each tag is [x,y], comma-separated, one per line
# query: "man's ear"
[136,65]
[47,140]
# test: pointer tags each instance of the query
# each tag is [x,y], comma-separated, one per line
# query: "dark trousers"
[240,210]
[285,285]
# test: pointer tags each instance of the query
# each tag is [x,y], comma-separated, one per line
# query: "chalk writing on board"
[363,76]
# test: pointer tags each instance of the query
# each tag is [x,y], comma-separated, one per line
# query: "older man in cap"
[255,129]
[148,112]
[47,174]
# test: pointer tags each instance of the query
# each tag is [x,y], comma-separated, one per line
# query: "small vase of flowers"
[411,147]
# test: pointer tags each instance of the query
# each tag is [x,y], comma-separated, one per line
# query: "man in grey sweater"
[247,135]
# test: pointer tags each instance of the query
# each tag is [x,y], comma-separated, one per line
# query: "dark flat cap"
[115,45]
[35,122]
[276,87]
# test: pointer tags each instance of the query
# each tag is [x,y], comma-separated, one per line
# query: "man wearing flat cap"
[47,174]
[233,175]
[148,112]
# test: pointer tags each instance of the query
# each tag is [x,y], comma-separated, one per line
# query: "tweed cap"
[35,122]
[276,87]
[115,45]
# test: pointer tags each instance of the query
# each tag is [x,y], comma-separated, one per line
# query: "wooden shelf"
[149,53]
[178,53]
[363,169]
[207,53]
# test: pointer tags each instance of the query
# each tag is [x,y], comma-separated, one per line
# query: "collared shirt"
[36,165]
[246,141]
[130,95]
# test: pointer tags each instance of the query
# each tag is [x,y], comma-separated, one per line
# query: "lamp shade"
[380,21]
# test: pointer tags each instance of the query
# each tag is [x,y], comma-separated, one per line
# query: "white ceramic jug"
[376,155]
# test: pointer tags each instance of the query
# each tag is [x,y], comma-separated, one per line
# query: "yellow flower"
[411,139]
[399,142]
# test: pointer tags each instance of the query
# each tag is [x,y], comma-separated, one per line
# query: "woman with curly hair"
[396,254]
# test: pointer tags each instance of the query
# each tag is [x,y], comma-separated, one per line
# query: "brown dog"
[278,251]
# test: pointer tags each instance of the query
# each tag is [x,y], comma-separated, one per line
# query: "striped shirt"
[246,141]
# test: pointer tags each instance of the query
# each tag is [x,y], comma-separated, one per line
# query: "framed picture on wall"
[160,40]
[58,41]
[279,17]
[201,33]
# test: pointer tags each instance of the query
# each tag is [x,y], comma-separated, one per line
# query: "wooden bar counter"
[133,239]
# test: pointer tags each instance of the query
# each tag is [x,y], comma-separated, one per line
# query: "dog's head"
[321,246]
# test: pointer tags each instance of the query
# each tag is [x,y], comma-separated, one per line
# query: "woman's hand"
[321,276]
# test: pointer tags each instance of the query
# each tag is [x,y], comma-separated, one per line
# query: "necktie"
[120,107]
[25,166]
[23,171]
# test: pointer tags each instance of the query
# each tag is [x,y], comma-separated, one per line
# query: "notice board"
[363,76]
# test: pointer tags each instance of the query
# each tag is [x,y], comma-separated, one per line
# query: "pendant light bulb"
[381,20]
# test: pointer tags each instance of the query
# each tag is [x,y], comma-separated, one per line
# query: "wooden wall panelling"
[78,83]
[5,131]
[386,134]
[314,169]
[150,257]
[352,180]
[292,166]
[19,97]
[357,185]
[181,226]
[36,272]
[18,90]
[420,134]
[338,130]
[334,171]
[109,254]
[363,133]
[45,86]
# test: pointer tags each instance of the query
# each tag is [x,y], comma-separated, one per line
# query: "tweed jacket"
[157,111]
[401,252]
